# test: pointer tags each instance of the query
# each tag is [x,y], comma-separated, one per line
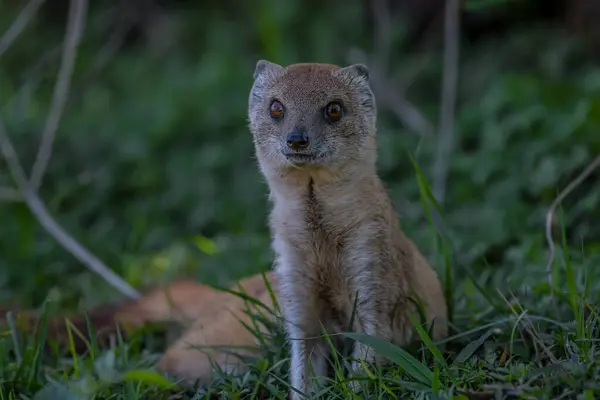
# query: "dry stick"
[38,209]
[76,20]
[31,79]
[73,34]
[527,327]
[392,99]
[382,34]
[19,24]
[552,209]
[102,58]
[449,89]
[107,52]
[403,109]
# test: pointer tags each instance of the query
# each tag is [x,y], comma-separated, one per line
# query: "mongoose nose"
[297,140]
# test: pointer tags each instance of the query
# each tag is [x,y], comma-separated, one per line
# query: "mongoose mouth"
[300,158]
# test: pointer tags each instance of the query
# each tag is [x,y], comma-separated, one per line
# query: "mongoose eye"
[276,109]
[334,111]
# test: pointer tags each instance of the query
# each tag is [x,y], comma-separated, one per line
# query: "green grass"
[527,119]
[515,342]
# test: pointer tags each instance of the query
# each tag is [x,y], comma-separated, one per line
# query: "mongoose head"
[312,116]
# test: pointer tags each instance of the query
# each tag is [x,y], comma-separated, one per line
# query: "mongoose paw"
[355,386]
[357,374]
[296,396]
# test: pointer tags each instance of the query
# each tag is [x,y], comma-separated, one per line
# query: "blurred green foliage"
[153,166]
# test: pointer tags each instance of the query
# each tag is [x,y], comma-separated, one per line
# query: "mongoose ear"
[265,67]
[356,70]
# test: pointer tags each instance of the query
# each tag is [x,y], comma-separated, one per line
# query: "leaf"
[55,391]
[411,365]
[206,245]
[429,343]
[469,349]
[40,342]
[106,367]
[149,377]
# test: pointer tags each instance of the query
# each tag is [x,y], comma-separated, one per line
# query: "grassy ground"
[507,341]
[151,175]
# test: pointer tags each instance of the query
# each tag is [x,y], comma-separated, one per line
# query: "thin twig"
[73,34]
[382,35]
[378,62]
[391,98]
[527,325]
[448,102]
[12,159]
[552,210]
[19,24]
[107,52]
[31,80]
[38,209]
[28,190]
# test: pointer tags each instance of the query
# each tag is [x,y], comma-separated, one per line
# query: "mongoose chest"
[316,249]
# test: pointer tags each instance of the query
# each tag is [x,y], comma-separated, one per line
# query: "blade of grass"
[93,343]
[471,348]
[148,377]
[574,296]
[39,345]
[397,355]
[271,292]
[14,335]
[437,354]
[71,344]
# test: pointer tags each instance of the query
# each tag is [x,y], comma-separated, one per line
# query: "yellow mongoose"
[335,233]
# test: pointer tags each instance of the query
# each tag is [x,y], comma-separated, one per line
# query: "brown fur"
[220,324]
[211,318]
[335,232]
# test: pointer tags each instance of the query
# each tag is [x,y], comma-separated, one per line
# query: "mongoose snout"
[297,139]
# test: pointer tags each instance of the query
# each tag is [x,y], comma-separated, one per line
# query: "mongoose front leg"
[364,352]
[370,319]
[308,356]
[371,326]
[306,353]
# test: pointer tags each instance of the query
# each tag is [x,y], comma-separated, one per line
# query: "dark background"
[153,167]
